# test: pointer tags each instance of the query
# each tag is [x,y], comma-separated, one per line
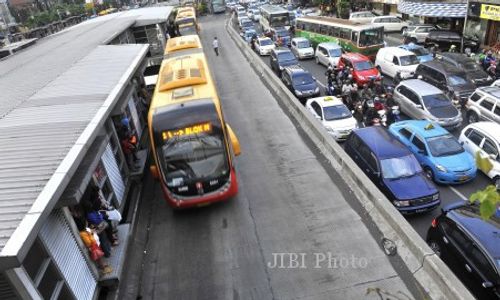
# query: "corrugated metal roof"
[45,133]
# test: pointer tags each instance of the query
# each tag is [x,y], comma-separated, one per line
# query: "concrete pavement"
[290,206]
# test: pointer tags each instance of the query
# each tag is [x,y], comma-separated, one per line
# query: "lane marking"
[458,193]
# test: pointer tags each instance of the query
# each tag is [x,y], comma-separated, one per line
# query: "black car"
[280,58]
[393,169]
[302,84]
[470,246]
[473,71]
[450,79]
[444,39]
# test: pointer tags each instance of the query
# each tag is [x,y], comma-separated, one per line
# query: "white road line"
[458,193]
[319,82]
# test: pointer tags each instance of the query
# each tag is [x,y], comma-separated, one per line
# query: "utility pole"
[465,25]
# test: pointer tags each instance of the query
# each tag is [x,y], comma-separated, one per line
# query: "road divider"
[433,276]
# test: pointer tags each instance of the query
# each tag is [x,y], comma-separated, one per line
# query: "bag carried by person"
[114,215]
[95,252]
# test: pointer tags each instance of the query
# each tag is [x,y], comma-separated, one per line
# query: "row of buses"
[193,147]
[351,36]
[186,21]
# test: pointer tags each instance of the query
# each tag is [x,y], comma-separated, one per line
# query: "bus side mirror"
[154,172]
[234,140]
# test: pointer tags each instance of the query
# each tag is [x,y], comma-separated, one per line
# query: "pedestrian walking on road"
[215,44]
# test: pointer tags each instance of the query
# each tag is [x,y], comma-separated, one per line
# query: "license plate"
[203,204]
[421,210]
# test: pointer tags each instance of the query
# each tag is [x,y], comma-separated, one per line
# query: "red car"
[363,68]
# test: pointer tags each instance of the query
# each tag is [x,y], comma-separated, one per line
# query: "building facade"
[483,21]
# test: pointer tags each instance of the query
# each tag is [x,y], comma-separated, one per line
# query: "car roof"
[421,87]
[420,126]
[296,69]
[491,128]
[327,101]
[355,56]
[386,16]
[487,232]
[381,142]
[410,46]
[442,66]
[396,51]
[491,90]
[281,50]
[299,39]
[456,56]
[330,45]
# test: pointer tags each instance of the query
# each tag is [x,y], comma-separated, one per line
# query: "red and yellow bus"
[193,147]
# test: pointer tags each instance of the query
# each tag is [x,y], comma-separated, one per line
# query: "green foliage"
[202,8]
[489,200]
[55,13]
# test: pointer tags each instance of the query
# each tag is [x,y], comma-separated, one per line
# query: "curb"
[434,277]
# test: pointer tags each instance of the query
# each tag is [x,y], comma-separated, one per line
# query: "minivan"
[484,105]
[393,169]
[394,60]
[448,78]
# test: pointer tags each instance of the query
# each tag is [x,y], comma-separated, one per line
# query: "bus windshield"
[371,37]
[190,158]
[280,20]
[184,21]
[187,29]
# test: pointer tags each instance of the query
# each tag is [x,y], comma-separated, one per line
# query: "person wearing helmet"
[366,93]
[370,112]
[379,88]
[488,59]
[348,87]
[453,49]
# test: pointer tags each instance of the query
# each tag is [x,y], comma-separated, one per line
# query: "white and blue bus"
[218,6]
[273,16]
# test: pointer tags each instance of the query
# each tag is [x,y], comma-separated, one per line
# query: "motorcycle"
[394,115]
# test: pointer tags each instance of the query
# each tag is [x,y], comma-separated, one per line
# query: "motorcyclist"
[488,59]
[330,75]
[253,41]
[492,69]
[366,93]
[379,88]
[347,89]
[453,49]
[378,104]
[370,113]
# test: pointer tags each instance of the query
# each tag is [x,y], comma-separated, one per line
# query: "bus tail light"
[434,223]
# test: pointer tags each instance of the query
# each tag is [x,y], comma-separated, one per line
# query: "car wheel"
[435,247]
[413,40]
[472,117]
[317,60]
[497,182]
[403,30]
[429,173]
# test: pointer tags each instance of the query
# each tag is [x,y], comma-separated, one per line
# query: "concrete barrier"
[434,277]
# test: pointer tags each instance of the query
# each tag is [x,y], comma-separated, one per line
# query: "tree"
[489,201]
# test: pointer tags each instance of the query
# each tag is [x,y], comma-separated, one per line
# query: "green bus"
[351,36]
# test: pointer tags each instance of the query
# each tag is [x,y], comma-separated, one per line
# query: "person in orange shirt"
[92,245]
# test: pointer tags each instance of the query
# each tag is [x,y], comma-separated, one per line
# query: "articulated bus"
[272,16]
[186,21]
[193,147]
[352,36]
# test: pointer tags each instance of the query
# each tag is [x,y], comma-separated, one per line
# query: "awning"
[433,9]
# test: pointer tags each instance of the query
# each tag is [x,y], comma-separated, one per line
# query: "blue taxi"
[442,157]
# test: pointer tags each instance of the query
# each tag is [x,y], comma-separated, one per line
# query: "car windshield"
[189,158]
[336,112]
[301,79]
[456,80]
[286,56]
[335,52]
[303,44]
[471,66]
[436,100]
[370,37]
[420,51]
[266,42]
[408,60]
[363,65]
[400,167]
[444,145]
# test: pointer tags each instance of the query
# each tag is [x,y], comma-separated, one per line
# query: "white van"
[392,60]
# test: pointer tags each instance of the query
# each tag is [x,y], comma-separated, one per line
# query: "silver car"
[418,33]
[422,101]
[484,105]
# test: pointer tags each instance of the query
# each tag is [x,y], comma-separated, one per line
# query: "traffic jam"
[420,118]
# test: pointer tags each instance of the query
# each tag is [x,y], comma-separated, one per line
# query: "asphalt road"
[449,194]
[288,202]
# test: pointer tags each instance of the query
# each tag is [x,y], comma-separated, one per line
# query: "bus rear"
[193,157]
